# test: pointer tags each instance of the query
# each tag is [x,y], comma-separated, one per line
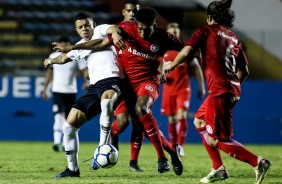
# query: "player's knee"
[141,109]
[182,114]
[212,141]
[123,120]
[199,123]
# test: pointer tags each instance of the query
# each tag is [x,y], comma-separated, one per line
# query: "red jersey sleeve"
[198,38]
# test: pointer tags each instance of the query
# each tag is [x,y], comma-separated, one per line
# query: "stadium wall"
[25,116]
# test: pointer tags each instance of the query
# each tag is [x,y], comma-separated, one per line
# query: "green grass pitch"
[37,163]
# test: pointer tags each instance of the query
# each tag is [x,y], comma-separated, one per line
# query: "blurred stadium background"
[28,27]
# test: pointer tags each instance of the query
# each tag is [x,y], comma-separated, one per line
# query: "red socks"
[152,130]
[172,132]
[213,152]
[182,133]
[136,142]
[238,151]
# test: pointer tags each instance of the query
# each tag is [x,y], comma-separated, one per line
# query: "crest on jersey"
[154,47]
[209,129]
[149,88]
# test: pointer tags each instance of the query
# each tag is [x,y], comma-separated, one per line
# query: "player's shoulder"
[128,25]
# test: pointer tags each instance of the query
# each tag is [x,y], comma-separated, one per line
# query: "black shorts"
[63,102]
[89,103]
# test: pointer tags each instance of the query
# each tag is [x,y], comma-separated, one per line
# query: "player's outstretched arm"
[95,45]
[187,53]
[61,59]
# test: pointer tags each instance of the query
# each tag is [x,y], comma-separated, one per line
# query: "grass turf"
[36,162]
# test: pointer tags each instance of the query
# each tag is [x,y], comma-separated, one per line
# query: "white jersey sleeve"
[77,55]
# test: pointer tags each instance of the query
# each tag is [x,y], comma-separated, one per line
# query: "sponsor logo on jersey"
[209,129]
[154,48]
[149,88]
[137,53]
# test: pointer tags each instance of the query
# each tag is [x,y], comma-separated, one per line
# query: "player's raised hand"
[62,46]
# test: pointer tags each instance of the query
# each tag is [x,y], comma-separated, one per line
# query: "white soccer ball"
[106,156]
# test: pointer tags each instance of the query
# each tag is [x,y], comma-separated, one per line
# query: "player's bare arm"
[117,37]
[186,53]
[95,45]
[162,71]
[48,78]
[61,59]
[199,77]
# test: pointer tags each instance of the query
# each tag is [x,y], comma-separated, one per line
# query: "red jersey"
[178,81]
[222,54]
[140,59]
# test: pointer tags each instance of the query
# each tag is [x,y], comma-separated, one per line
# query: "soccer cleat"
[56,147]
[215,175]
[176,161]
[133,166]
[181,151]
[163,165]
[94,165]
[261,170]
[114,140]
[68,173]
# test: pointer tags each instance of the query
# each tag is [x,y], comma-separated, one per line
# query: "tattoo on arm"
[61,59]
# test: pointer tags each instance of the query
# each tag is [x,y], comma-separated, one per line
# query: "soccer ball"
[106,156]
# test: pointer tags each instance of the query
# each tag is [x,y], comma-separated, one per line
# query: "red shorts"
[146,88]
[171,103]
[121,108]
[217,112]
[151,89]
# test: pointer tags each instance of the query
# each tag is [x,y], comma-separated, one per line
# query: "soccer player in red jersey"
[139,61]
[177,92]
[121,113]
[225,66]
[139,45]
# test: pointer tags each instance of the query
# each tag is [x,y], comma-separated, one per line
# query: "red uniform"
[139,60]
[176,90]
[222,54]
[140,64]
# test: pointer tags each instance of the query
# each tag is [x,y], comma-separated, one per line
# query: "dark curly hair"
[222,14]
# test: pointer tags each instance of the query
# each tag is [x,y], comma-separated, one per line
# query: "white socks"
[59,120]
[106,119]
[71,145]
